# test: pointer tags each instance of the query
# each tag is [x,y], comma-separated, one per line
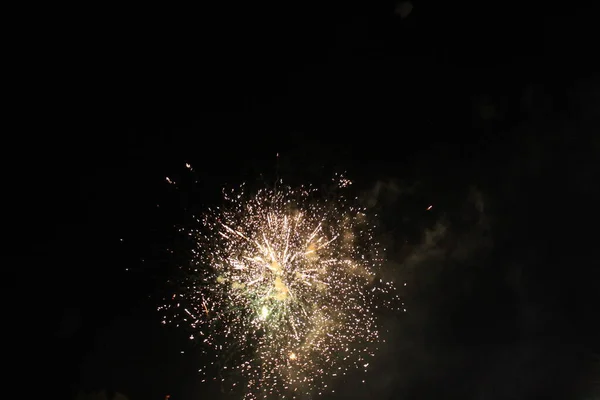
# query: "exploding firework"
[283,289]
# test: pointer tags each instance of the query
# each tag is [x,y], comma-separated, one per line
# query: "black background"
[129,96]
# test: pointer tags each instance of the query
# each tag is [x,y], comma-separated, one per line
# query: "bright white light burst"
[283,289]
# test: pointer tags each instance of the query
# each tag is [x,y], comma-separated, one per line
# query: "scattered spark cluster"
[283,289]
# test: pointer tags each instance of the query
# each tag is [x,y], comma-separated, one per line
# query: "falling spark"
[282,286]
[430,207]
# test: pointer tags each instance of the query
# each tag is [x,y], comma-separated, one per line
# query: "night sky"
[488,113]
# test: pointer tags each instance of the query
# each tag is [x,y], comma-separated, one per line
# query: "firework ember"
[283,289]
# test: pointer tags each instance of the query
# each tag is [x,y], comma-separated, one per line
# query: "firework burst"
[283,289]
